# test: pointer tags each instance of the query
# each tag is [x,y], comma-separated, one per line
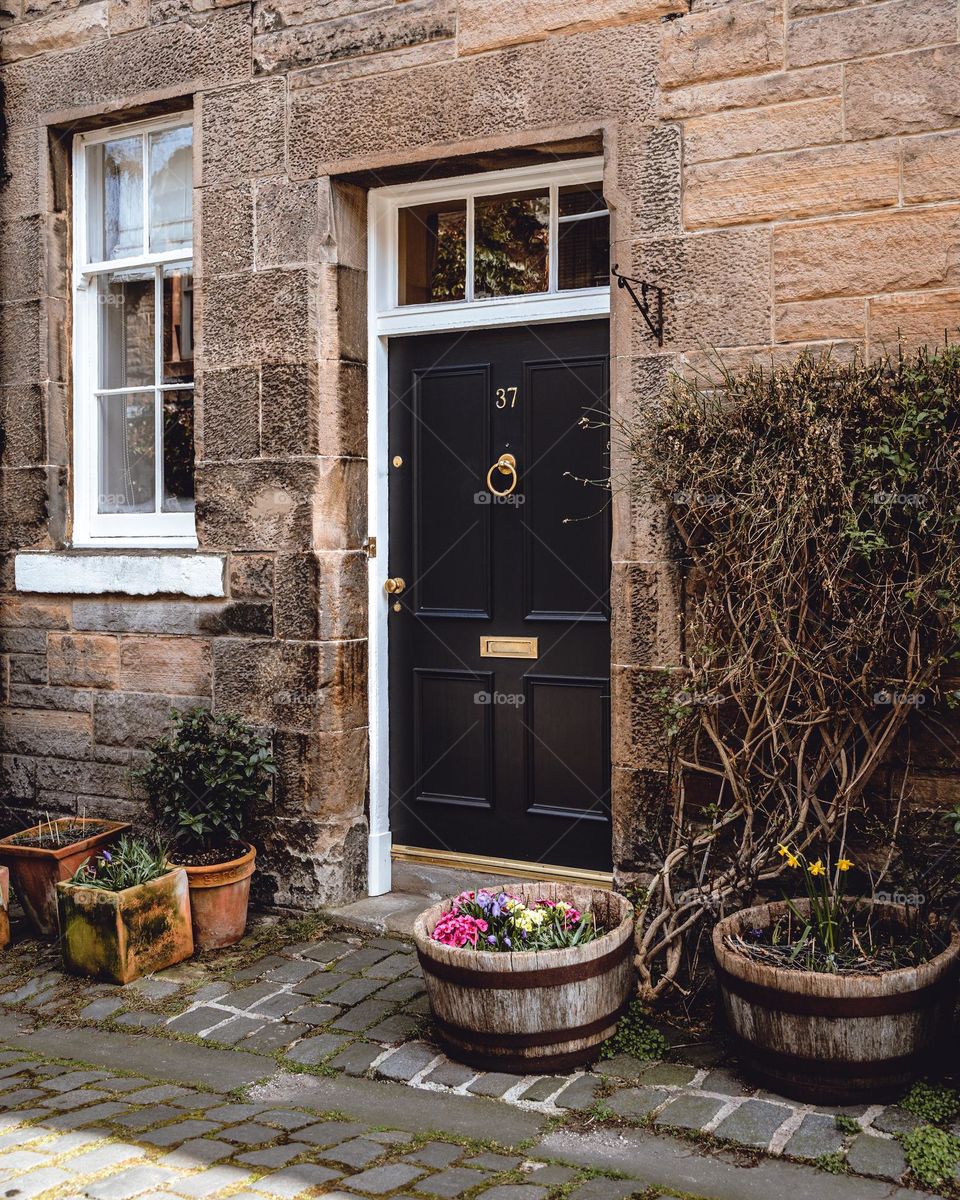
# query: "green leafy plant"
[635,1036]
[132,861]
[932,1154]
[813,509]
[835,1162]
[932,1102]
[845,1124]
[204,777]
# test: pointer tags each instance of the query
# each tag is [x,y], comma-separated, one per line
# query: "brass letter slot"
[508,647]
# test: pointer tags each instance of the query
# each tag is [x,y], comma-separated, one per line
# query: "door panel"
[490,755]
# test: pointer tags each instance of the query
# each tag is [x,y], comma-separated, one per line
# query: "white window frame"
[387,318]
[391,317]
[90,527]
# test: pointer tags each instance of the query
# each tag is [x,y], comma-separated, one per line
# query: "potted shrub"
[125,913]
[4,908]
[39,857]
[530,980]
[203,779]
[832,1000]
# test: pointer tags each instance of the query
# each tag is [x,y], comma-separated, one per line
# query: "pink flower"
[455,929]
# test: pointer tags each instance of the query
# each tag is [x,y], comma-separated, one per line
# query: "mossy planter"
[119,936]
[36,870]
[4,908]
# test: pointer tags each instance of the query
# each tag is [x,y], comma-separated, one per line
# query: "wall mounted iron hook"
[654,320]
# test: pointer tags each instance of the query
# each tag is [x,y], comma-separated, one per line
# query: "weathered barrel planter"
[834,1039]
[534,1011]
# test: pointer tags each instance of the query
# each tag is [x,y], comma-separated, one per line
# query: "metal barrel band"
[838,1006]
[541,1064]
[519,1041]
[781,1060]
[548,977]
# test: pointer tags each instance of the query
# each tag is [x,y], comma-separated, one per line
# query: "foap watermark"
[900,499]
[907,899]
[313,700]
[893,696]
[699,499]
[684,699]
[514,499]
[507,699]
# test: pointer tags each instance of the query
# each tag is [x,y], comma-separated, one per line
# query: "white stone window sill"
[149,573]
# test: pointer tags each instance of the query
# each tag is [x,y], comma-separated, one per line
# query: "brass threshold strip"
[502,866]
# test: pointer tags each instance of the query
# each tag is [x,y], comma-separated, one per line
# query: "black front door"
[499,640]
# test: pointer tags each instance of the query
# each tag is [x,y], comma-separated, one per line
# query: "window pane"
[433,252]
[511,235]
[583,251]
[126,477]
[576,198]
[126,318]
[178,451]
[177,325]
[116,199]
[171,188]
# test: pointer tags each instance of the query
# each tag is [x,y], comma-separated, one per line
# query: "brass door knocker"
[506,464]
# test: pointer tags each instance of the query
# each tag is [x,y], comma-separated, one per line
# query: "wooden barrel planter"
[536,1011]
[835,1039]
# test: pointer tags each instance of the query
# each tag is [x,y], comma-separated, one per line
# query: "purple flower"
[491,940]
[507,943]
[107,856]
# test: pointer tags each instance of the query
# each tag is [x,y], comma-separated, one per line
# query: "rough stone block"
[321,775]
[351,35]
[27,668]
[343,409]
[903,93]
[69,30]
[889,252]
[21,249]
[307,865]
[228,409]
[258,505]
[58,734]
[817,320]
[491,24]
[931,168]
[21,195]
[637,711]
[798,183]
[83,660]
[289,222]
[165,664]
[728,39]
[135,719]
[752,91]
[21,426]
[909,322]
[717,284]
[289,414]
[855,32]
[85,778]
[251,576]
[650,174]
[224,216]
[20,352]
[243,131]
[340,504]
[281,330]
[640,799]
[775,127]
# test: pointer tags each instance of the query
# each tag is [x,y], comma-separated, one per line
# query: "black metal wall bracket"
[653,319]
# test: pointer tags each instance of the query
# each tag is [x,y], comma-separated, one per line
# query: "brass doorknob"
[394,586]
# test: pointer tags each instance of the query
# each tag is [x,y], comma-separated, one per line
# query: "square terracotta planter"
[119,936]
[37,870]
[4,907]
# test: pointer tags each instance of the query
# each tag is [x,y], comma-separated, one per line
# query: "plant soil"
[57,835]
[209,858]
[890,952]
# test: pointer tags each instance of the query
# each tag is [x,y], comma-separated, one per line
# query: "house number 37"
[507,397]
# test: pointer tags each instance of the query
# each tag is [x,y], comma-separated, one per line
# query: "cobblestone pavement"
[309,1068]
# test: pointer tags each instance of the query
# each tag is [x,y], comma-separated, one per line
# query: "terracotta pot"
[531,1013]
[835,1039]
[4,907]
[219,898]
[37,871]
[119,936]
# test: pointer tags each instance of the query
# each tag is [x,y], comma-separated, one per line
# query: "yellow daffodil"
[844,864]
[792,860]
[817,868]
[782,850]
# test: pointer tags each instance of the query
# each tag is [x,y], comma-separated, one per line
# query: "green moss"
[635,1036]
[834,1163]
[845,1124]
[932,1154]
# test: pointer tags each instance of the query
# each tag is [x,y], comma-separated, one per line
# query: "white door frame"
[385,318]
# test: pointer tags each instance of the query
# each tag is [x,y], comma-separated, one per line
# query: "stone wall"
[788,169]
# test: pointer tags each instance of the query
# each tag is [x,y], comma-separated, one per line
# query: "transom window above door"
[479,249]
[133,345]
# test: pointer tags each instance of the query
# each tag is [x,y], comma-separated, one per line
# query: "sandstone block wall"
[788,169]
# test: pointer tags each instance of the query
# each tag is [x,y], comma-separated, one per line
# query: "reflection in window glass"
[177,451]
[126,468]
[170,156]
[583,238]
[177,325]
[511,237]
[125,311]
[433,252]
[116,218]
